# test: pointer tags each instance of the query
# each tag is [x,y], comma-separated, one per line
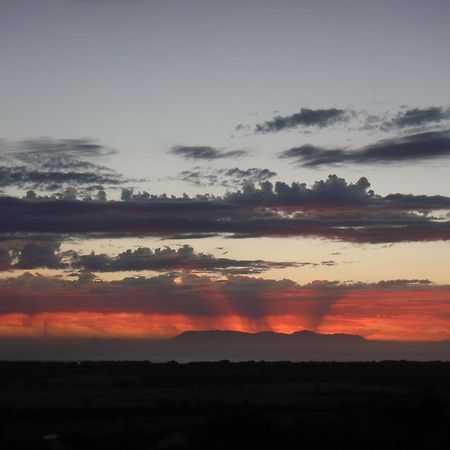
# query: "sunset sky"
[171,165]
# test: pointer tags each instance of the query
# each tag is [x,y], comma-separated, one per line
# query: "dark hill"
[210,337]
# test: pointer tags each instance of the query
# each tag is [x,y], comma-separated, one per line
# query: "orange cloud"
[164,306]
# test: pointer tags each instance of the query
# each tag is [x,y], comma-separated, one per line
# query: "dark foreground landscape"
[224,405]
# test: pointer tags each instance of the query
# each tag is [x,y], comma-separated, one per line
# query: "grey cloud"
[415,147]
[29,178]
[253,174]
[58,154]
[249,297]
[333,190]
[39,255]
[5,259]
[191,219]
[44,146]
[233,177]
[417,117]
[331,209]
[51,164]
[205,152]
[30,252]
[418,202]
[163,259]
[321,118]
[402,283]
[200,177]
[305,118]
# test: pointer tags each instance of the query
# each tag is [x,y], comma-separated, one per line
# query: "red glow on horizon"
[36,307]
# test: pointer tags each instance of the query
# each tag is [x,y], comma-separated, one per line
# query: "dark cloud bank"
[332,209]
[250,297]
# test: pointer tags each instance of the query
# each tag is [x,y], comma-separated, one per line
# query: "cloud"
[331,209]
[418,202]
[415,147]
[29,254]
[166,259]
[5,259]
[417,118]
[57,153]
[51,180]
[39,255]
[189,301]
[52,164]
[195,220]
[320,118]
[333,190]
[206,176]
[424,118]
[253,175]
[205,152]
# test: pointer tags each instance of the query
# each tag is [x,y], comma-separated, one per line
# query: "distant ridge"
[303,345]
[224,336]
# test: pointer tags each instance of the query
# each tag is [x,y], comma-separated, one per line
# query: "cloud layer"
[54,164]
[331,209]
[205,152]
[167,304]
[425,146]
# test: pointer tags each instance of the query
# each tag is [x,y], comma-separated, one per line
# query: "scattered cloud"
[54,164]
[205,152]
[320,118]
[60,148]
[406,149]
[230,178]
[424,119]
[417,117]
[38,254]
[167,259]
[23,177]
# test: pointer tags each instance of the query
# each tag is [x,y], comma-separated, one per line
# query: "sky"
[187,165]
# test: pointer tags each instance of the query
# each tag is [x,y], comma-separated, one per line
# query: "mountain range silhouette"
[210,337]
